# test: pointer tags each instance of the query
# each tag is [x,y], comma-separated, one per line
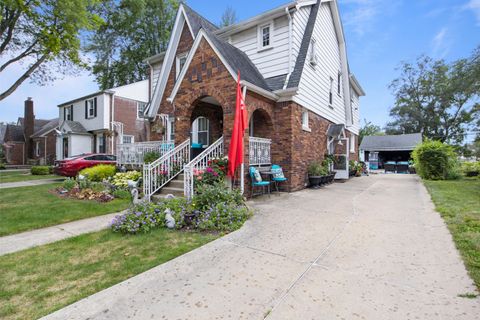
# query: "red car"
[69,167]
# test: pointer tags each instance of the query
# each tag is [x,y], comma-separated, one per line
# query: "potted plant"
[315,173]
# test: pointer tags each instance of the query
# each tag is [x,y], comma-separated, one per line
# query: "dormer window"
[181,60]
[265,33]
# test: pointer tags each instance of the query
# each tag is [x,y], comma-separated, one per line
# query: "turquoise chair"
[277,175]
[257,181]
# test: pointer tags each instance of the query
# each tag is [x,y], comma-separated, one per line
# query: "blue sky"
[379,33]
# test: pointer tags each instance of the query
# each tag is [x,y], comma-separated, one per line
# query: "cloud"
[474,5]
[441,44]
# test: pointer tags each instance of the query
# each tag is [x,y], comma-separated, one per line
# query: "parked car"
[69,167]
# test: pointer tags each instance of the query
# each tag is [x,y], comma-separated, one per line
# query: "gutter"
[259,90]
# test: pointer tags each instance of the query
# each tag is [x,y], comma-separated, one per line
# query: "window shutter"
[64,113]
[95,107]
[86,109]
[71,112]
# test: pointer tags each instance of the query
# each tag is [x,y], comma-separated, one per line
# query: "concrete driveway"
[370,248]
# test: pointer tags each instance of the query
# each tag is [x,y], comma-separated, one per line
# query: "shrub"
[2,166]
[223,217]
[40,170]
[316,169]
[122,194]
[69,184]
[151,156]
[471,169]
[120,180]
[139,219]
[209,195]
[99,172]
[435,160]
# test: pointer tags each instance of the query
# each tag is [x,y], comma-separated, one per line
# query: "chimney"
[28,127]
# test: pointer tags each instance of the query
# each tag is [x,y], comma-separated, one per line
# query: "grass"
[38,281]
[458,202]
[29,208]
[22,175]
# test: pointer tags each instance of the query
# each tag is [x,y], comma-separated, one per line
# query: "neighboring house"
[98,122]
[302,100]
[379,149]
[30,140]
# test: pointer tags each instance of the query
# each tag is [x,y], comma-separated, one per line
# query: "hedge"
[99,172]
[435,160]
[40,170]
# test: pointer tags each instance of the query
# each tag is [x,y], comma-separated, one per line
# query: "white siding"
[356,112]
[78,144]
[314,87]
[300,19]
[101,121]
[134,91]
[156,68]
[272,62]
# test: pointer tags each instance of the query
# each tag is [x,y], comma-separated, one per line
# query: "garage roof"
[404,142]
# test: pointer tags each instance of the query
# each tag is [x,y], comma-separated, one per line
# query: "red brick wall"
[15,154]
[126,113]
[51,141]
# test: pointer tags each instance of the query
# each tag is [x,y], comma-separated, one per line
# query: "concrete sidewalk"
[29,239]
[29,183]
[370,248]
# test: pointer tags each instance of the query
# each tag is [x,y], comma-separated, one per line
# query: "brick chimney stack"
[28,127]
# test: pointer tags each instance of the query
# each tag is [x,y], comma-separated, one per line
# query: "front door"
[341,152]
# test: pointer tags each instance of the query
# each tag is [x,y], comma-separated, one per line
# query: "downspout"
[112,119]
[290,27]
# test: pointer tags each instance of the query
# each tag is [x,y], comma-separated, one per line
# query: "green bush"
[120,180]
[208,195]
[122,194]
[69,184]
[471,169]
[40,170]
[151,156]
[435,160]
[316,169]
[99,172]
[223,217]
[2,166]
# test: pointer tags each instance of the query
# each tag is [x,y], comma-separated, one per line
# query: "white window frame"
[90,108]
[178,60]
[37,148]
[352,144]
[262,47]
[313,52]
[196,131]
[132,139]
[306,121]
[171,129]
[68,113]
[144,104]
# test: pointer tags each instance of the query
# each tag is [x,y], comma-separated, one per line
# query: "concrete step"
[178,192]
[176,184]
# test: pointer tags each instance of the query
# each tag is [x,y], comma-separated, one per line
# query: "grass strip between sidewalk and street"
[29,208]
[458,202]
[38,281]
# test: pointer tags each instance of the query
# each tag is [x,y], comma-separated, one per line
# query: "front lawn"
[458,202]
[29,208]
[38,281]
[22,175]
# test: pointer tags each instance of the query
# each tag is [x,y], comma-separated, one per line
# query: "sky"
[379,35]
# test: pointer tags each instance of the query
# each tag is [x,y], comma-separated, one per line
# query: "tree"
[369,129]
[436,98]
[133,31]
[44,36]
[229,17]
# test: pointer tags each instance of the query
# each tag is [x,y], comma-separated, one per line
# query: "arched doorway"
[261,132]
[206,123]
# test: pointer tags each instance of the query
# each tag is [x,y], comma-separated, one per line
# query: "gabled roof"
[403,142]
[197,22]
[14,133]
[73,127]
[38,123]
[335,131]
[51,125]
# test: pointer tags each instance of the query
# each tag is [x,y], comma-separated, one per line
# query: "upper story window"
[91,108]
[141,107]
[313,52]
[180,63]
[339,83]
[330,94]
[68,113]
[265,36]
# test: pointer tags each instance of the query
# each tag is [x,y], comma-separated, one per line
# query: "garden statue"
[169,196]
[169,220]
[133,184]
[135,198]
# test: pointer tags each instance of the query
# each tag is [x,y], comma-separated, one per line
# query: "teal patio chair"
[277,175]
[257,181]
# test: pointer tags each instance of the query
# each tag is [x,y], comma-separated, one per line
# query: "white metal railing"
[161,171]
[134,153]
[260,151]
[200,162]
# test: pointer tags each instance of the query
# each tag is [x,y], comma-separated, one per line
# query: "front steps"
[175,187]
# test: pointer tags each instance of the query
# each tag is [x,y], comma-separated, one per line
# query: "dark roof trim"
[86,97]
[302,54]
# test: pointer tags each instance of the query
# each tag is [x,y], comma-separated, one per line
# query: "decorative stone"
[169,220]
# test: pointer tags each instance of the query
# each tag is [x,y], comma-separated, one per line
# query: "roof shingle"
[403,142]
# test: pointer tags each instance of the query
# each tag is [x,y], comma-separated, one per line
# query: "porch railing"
[260,151]
[134,153]
[158,173]
[200,162]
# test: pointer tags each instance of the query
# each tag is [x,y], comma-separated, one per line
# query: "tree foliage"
[437,98]
[369,129]
[133,31]
[44,36]
[229,17]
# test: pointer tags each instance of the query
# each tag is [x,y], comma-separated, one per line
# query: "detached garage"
[378,150]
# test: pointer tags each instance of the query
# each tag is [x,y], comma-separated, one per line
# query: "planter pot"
[189,218]
[314,181]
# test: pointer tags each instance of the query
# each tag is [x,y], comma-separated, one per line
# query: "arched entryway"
[261,132]
[206,123]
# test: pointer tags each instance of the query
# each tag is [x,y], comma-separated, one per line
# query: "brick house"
[302,99]
[102,121]
[30,141]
